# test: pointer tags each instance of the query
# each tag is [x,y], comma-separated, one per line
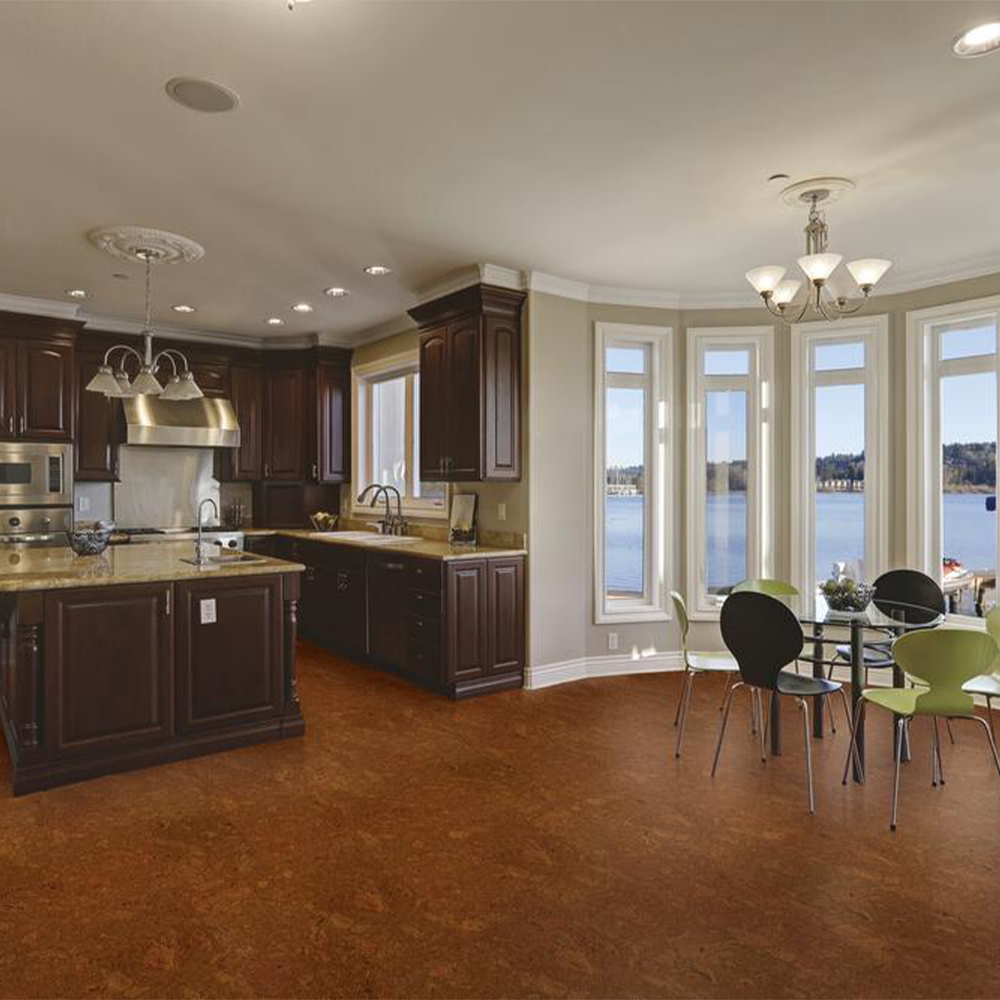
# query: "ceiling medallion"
[818,264]
[127,241]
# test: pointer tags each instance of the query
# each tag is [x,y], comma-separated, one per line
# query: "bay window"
[631,461]
[386,436]
[952,419]
[730,428]
[839,439]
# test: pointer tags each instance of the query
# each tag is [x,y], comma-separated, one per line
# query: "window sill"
[409,513]
[632,616]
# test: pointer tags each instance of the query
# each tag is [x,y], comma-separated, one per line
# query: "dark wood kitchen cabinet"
[98,427]
[387,610]
[108,677]
[37,378]
[245,462]
[330,442]
[284,426]
[229,652]
[470,385]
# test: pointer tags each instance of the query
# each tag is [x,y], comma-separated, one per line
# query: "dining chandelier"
[116,382]
[818,264]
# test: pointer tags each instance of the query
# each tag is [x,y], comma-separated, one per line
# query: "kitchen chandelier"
[181,383]
[818,263]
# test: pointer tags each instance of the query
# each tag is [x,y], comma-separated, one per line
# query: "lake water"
[969,535]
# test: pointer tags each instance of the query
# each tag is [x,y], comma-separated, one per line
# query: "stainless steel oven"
[36,475]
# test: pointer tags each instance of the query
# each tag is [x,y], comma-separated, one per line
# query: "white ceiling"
[615,143]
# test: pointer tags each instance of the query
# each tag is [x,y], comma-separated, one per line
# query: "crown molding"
[39,307]
[115,324]
[931,277]
[552,284]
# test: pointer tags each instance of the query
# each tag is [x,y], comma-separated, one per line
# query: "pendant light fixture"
[115,382]
[818,264]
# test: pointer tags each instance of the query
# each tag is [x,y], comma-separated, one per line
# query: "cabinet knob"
[315,472]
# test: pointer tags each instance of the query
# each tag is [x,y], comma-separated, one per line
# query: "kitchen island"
[137,657]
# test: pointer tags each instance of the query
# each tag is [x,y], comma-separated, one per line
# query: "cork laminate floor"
[528,844]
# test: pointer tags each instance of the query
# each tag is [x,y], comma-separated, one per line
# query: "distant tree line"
[627,475]
[840,466]
[970,468]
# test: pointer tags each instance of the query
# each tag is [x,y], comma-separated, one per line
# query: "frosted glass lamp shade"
[172,390]
[104,381]
[765,279]
[145,383]
[189,388]
[786,291]
[868,271]
[819,266]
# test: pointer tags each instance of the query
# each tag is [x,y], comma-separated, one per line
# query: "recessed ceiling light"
[120,276]
[202,95]
[336,293]
[378,270]
[978,41]
[76,293]
[302,307]
[274,321]
[183,309]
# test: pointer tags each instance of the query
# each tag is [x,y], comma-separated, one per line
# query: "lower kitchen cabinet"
[456,627]
[229,655]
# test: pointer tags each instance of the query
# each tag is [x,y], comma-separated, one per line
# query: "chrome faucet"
[391,524]
[199,557]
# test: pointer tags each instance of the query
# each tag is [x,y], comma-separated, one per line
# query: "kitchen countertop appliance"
[36,493]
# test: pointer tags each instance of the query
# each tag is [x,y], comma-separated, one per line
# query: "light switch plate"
[207,608]
[501,512]
[612,640]
[83,504]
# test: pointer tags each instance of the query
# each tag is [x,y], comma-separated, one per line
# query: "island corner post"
[98,679]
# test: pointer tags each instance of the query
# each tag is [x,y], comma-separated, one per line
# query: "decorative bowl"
[846,595]
[90,541]
[322,521]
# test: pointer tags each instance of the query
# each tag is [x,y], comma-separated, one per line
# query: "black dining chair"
[764,636]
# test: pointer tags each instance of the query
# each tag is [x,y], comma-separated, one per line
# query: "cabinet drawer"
[425,574]
[424,660]
[424,604]
[424,629]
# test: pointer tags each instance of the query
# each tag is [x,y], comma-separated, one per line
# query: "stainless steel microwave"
[35,474]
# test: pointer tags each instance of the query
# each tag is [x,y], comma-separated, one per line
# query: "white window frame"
[873,332]
[925,482]
[653,604]
[759,386]
[363,377]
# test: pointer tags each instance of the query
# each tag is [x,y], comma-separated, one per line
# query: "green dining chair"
[988,685]
[942,660]
[694,664]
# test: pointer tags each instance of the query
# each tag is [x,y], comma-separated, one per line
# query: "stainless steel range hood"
[186,423]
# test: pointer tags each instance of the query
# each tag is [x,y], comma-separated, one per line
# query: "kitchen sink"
[227,559]
[366,537]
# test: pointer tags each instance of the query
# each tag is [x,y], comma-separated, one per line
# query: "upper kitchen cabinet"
[246,393]
[98,425]
[284,426]
[470,385]
[330,431]
[37,376]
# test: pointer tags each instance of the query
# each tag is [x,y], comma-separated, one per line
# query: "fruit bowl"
[847,595]
[90,541]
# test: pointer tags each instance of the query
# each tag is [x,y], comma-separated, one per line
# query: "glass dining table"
[882,622]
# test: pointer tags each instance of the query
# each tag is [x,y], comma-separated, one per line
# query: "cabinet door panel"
[434,404]
[467,634]
[333,408]
[108,656]
[502,402]
[506,615]
[95,456]
[213,380]
[246,461]
[229,671]
[45,391]
[387,608]
[284,448]
[8,389]
[464,420]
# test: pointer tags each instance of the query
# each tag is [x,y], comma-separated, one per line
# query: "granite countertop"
[59,568]
[425,547]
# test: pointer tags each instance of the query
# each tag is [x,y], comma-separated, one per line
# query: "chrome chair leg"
[762,727]
[937,765]
[900,731]
[680,700]
[828,702]
[725,719]
[989,715]
[753,711]
[809,767]
[951,735]
[685,707]
[852,749]
[725,691]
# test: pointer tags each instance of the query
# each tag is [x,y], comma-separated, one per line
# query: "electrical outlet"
[501,512]
[83,504]
[612,640]
[208,611]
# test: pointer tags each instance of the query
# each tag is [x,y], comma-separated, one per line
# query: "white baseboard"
[585,667]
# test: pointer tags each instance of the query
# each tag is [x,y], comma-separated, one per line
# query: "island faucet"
[382,491]
[397,526]
[199,558]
